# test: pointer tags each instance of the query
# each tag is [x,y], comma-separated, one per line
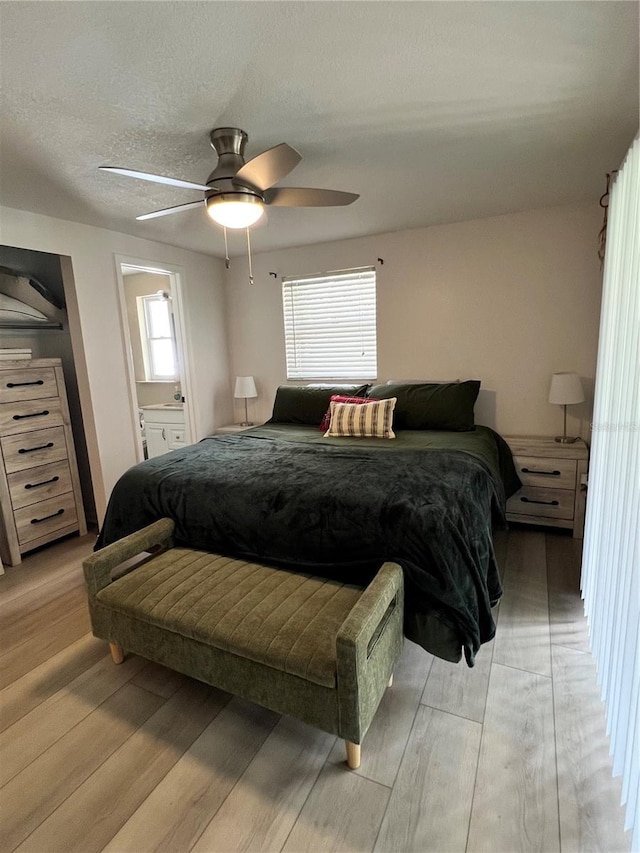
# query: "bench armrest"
[98,568]
[359,627]
[368,644]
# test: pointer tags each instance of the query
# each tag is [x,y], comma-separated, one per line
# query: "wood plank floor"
[509,756]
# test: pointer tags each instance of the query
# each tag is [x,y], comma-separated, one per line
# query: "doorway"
[161,404]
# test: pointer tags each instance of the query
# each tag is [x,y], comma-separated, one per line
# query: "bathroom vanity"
[164,428]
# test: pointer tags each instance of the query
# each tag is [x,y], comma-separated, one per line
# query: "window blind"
[330,325]
[611,559]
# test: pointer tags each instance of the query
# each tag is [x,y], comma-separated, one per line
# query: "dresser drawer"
[33,448]
[30,415]
[27,384]
[548,473]
[45,517]
[39,483]
[546,503]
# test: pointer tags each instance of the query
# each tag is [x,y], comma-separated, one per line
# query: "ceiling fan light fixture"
[235,210]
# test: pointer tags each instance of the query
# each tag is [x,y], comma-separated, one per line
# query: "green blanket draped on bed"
[287,496]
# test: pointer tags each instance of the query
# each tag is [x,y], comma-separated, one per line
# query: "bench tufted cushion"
[285,620]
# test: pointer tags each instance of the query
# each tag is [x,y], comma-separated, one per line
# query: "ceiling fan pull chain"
[227,262]
[249,254]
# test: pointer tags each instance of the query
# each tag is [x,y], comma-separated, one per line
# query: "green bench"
[316,649]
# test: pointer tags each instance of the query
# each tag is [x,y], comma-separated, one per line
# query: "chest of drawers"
[552,492]
[40,497]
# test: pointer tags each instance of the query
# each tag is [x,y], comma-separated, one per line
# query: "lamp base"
[565,439]
[250,423]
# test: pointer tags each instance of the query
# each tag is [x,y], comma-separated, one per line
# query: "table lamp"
[566,390]
[245,387]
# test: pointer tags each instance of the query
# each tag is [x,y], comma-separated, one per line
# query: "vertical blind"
[330,325]
[611,560]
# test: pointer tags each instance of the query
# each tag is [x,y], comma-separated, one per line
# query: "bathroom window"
[158,338]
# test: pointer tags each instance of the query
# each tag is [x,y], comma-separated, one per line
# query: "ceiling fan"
[235,193]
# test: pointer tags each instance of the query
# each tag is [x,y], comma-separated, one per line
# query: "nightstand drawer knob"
[22,384]
[32,415]
[47,517]
[537,471]
[546,503]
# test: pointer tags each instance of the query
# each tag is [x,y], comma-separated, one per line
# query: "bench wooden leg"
[353,754]
[390,684]
[117,655]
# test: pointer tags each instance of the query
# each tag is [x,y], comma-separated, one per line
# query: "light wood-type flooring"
[508,756]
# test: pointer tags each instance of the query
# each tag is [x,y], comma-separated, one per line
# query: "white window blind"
[611,561]
[330,325]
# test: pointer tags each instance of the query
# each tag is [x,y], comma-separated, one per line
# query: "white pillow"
[362,420]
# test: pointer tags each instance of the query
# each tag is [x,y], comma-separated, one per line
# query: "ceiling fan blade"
[157,179]
[266,169]
[307,197]
[168,210]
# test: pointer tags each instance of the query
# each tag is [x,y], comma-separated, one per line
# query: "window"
[330,325]
[158,341]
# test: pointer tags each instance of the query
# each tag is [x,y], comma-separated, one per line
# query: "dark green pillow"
[306,404]
[431,406]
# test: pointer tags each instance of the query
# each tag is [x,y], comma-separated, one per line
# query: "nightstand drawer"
[45,517]
[546,503]
[28,384]
[29,415]
[547,473]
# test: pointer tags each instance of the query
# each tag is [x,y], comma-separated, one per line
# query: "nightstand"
[553,493]
[231,428]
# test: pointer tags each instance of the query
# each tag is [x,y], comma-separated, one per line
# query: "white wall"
[508,300]
[95,321]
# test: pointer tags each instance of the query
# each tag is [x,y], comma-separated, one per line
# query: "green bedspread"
[287,496]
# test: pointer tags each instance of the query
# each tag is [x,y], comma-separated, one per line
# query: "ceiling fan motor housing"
[229,144]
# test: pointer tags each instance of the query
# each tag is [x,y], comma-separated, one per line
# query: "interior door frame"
[176,276]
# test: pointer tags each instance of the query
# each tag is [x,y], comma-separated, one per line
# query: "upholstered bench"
[313,648]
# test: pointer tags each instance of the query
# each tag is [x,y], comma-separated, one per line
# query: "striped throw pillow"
[341,398]
[362,421]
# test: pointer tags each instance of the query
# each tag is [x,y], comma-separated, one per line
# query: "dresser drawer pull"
[547,503]
[43,483]
[32,415]
[33,449]
[22,384]
[536,471]
[47,517]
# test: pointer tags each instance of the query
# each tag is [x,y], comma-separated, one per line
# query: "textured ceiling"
[434,112]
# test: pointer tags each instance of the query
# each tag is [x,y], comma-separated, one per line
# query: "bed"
[290,496]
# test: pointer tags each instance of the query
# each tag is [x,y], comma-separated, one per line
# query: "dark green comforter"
[286,495]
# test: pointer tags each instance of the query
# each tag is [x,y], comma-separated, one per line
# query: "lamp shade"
[245,387]
[566,389]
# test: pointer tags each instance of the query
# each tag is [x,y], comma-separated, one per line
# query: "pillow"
[300,404]
[357,420]
[340,398]
[421,381]
[431,405]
